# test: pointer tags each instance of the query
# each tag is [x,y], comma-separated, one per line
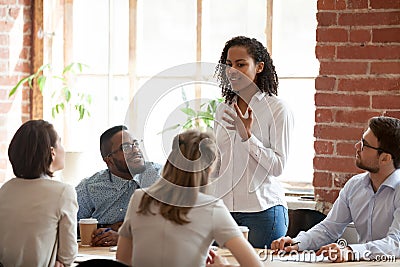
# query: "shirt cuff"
[301,245]
[304,241]
[359,251]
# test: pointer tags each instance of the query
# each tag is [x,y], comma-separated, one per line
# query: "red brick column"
[358,46]
[15,63]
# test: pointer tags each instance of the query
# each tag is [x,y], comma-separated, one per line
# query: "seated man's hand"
[104,237]
[115,226]
[284,243]
[335,253]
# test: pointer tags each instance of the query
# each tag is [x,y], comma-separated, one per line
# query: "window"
[135,48]
[98,38]
[293,46]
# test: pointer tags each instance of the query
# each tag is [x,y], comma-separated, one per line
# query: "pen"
[105,231]
[286,245]
[294,243]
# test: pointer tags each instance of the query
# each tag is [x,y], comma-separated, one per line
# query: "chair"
[303,220]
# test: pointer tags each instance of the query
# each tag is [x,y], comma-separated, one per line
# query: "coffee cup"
[245,231]
[86,228]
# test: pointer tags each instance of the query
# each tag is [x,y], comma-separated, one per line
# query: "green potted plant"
[202,118]
[63,93]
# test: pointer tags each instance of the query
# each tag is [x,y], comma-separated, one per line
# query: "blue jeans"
[265,226]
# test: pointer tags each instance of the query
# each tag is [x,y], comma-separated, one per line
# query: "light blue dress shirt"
[105,196]
[376,217]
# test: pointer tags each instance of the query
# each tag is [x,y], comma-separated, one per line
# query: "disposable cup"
[245,231]
[86,228]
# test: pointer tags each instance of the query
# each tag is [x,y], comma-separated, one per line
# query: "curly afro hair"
[266,80]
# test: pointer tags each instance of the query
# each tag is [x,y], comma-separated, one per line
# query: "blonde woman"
[173,222]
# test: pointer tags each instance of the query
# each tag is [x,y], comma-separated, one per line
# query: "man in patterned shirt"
[105,195]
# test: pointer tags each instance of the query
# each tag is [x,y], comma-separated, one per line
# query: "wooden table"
[86,253]
[304,260]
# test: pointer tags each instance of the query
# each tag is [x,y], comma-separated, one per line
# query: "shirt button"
[120,209]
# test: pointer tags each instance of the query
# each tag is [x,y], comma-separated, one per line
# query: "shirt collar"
[45,176]
[121,182]
[393,180]
[259,95]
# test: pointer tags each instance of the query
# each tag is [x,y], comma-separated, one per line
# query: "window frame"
[39,48]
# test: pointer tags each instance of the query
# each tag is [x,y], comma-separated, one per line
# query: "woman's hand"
[214,260]
[239,123]
[58,264]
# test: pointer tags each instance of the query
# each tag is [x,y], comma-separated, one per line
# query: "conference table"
[86,253]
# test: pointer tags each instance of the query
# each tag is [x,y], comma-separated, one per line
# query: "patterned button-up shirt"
[105,196]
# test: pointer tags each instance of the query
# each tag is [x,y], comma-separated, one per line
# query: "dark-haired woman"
[253,129]
[38,214]
[173,223]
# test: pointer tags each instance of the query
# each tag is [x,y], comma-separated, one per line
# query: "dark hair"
[387,131]
[105,139]
[266,80]
[188,165]
[30,149]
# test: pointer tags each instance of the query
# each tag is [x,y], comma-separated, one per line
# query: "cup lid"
[244,228]
[88,221]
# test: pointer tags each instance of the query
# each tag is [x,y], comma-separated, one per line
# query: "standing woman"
[38,214]
[173,222]
[253,130]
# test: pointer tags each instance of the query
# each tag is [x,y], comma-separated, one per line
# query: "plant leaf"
[89,99]
[188,125]
[205,115]
[173,127]
[68,68]
[15,88]
[81,112]
[41,81]
[67,94]
[189,112]
[30,80]
[41,68]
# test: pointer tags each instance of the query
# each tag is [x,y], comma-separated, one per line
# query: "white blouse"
[246,177]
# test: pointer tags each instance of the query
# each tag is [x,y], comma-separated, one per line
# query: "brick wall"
[358,46]
[15,53]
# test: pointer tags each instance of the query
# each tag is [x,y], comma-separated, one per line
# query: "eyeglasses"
[363,144]
[126,148]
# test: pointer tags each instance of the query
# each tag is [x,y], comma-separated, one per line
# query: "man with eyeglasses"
[106,194]
[371,200]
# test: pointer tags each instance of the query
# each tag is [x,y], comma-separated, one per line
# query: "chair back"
[303,220]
